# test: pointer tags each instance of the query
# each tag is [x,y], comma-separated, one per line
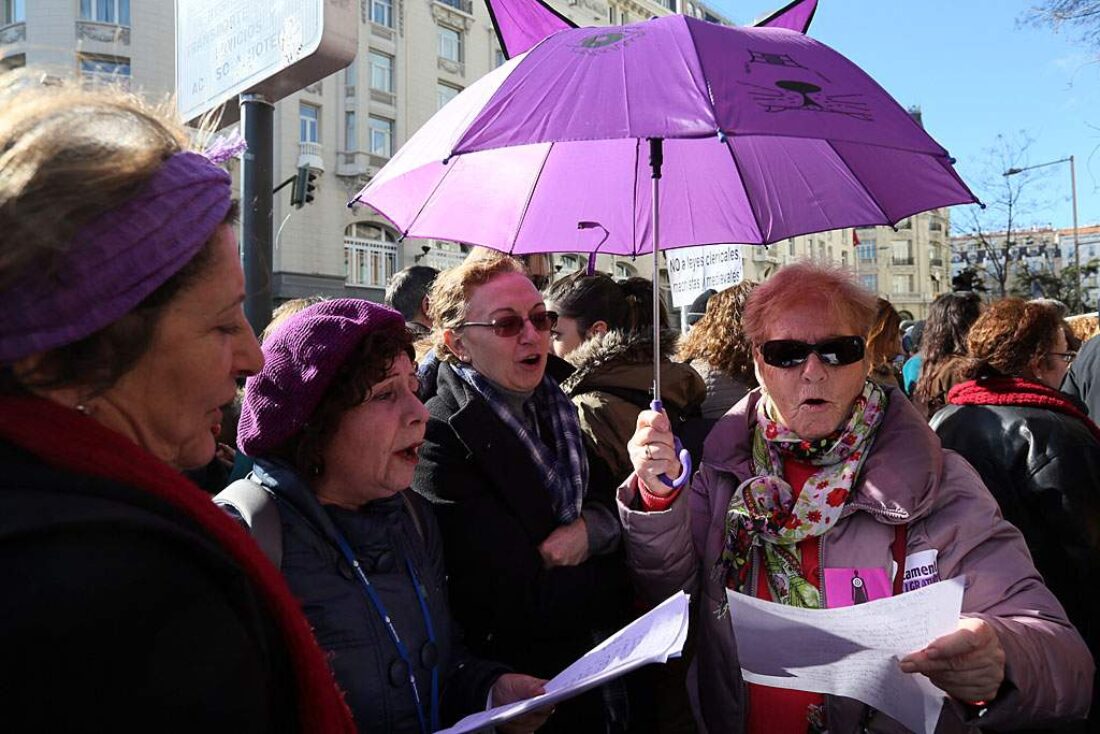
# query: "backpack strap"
[258,509]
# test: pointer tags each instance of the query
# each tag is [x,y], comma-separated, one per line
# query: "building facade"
[1035,250]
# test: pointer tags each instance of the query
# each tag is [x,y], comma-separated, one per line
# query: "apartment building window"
[866,251]
[869,281]
[351,136]
[444,93]
[13,11]
[309,123]
[498,58]
[381,72]
[611,13]
[902,251]
[381,12]
[370,255]
[450,43]
[104,11]
[351,80]
[107,70]
[790,247]
[903,283]
[381,136]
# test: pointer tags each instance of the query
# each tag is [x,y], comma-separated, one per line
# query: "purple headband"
[117,259]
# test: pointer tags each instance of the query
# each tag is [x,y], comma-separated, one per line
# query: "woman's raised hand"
[653,452]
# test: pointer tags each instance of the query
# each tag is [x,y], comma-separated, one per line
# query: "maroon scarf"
[1018,392]
[73,442]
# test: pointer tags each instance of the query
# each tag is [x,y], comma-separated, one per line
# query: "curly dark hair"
[719,339]
[365,367]
[944,339]
[1008,336]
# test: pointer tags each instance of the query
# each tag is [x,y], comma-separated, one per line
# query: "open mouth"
[531,361]
[814,402]
[409,453]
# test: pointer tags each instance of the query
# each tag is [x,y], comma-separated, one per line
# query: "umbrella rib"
[634,205]
[530,195]
[428,199]
[728,145]
[874,199]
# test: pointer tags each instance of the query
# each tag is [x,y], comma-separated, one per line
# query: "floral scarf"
[762,512]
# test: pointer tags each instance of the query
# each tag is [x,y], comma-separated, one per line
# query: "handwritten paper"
[851,651]
[653,638]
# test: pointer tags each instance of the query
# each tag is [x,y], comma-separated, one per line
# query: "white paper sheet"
[851,651]
[652,638]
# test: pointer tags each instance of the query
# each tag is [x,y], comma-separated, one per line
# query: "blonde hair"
[884,337]
[67,155]
[718,338]
[828,288]
[450,293]
[1084,326]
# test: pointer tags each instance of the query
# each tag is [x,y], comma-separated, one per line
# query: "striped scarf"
[564,467]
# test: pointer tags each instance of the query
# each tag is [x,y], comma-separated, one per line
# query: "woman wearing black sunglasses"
[531,552]
[823,489]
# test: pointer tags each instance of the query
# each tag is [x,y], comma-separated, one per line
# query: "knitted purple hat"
[301,358]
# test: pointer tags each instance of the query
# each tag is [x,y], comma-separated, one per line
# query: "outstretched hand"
[967,664]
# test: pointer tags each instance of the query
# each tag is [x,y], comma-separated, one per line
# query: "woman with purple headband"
[128,599]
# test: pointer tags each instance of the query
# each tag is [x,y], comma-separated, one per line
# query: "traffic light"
[301,193]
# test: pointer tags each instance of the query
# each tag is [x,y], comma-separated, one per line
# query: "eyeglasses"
[1066,357]
[512,324]
[833,352]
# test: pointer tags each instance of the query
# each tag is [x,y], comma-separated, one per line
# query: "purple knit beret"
[301,358]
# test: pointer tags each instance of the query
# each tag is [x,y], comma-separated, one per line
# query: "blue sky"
[978,72]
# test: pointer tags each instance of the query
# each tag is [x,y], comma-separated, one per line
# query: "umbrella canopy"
[767,134]
[520,24]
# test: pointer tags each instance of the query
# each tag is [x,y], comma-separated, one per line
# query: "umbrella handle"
[685,457]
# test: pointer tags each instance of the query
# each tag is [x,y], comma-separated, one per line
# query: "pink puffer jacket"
[908,478]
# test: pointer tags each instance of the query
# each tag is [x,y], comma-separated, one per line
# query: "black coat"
[494,512]
[119,614]
[382,534]
[1043,468]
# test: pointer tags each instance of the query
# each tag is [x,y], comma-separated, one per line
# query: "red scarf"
[1019,392]
[73,442]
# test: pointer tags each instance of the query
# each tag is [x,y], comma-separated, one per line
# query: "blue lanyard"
[402,649]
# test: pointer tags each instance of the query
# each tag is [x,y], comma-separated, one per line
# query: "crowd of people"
[434,505]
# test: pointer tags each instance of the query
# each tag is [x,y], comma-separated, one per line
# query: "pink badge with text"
[847,586]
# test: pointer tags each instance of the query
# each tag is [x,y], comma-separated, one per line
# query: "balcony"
[13,33]
[310,155]
[936,262]
[453,67]
[901,260]
[466,6]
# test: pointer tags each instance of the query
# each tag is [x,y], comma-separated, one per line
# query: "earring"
[81,408]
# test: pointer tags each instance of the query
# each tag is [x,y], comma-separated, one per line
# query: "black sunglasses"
[833,352]
[512,324]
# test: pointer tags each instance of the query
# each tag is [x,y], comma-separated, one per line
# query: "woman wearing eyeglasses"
[530,552]
[811,492]
[1035,447]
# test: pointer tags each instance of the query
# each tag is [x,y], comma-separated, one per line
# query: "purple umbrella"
[760,134]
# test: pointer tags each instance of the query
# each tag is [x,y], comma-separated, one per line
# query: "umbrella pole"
[656,160]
